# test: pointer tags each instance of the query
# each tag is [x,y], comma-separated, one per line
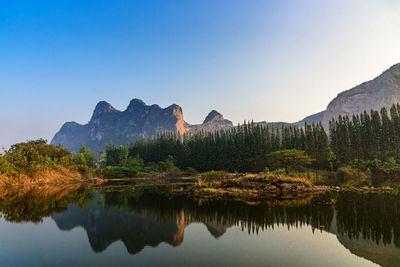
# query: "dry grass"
[41,191]
[291,180]
[212,176]
[61,175]
[250,180]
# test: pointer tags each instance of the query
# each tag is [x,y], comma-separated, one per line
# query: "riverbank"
[213,184]
[58,176]
[236,186]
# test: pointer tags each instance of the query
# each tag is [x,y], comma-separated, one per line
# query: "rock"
[137,121]
[383,91]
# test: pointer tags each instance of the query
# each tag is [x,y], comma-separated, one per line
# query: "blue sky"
[261,60]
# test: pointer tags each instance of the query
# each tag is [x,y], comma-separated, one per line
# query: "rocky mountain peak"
[135,105]
[102,108]
[137,121]
[175,107]
[213,116]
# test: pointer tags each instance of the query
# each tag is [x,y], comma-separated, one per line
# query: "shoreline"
[189,186]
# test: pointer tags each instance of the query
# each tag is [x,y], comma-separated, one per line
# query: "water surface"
[152,227]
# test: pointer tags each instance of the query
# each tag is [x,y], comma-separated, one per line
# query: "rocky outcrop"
[214,121]
[383,91]
[137,121]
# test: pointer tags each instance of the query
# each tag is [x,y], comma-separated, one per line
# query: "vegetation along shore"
[359,153]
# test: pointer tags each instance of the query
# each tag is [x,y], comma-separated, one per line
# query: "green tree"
[289,159]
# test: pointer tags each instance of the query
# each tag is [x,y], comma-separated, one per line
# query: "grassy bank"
[36,162]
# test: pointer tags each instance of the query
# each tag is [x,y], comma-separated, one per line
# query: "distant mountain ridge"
[315,118]
[137,121]
[141,120]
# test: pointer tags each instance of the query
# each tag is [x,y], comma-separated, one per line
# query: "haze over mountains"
[142,121]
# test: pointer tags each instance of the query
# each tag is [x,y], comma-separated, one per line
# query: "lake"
[151,227]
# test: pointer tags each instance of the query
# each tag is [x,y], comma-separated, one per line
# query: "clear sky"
[261,60]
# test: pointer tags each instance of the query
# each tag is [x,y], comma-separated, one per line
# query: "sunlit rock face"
[383,91]
[137,121]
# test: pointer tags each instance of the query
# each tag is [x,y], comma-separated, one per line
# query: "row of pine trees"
[243,148]
[368,136]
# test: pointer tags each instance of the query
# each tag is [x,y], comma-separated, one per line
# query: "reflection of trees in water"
[369,216]
[140,219]
[32,204]
[164,209]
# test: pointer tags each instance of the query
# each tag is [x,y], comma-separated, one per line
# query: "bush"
[289,159]
[190,170]
[348,173]
[32,157]
[279,172]
[215,176]
[121,172]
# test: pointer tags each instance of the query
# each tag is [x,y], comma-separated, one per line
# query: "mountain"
[137,121]
[142,121]
[315,118]
[383,91]
[149,221]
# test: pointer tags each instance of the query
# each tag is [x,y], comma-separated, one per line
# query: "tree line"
[243,148]
[366,136]
[369,141]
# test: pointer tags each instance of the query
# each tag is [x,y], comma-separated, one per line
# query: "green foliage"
[121,172]
[242,148]
[33,157]
[212,176]
[369,142]
[86,157]
[347,173]
[289,159]
[190,170]
[368,136]
[333,162]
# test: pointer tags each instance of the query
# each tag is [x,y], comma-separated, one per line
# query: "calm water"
[146,228]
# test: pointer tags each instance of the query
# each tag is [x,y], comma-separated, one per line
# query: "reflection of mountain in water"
[106,224]
[152,219]
[366,224]
[384,255]
[105,227]
[369,226]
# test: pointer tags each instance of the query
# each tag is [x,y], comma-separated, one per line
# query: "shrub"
[348,173]
[121,172]
[190,170]
[215,176]
[289,159]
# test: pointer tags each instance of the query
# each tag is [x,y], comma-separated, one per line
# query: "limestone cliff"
[383,91]
[137,121]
